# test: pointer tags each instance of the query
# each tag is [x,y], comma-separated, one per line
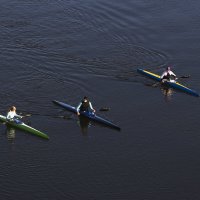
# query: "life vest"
[84,106]
[168,76]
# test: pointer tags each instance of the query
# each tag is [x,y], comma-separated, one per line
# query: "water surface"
[65,50]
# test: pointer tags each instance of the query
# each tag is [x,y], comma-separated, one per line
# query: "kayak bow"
[89,115]
[24,127]
[174,85]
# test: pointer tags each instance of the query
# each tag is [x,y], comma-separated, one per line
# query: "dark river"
[66,49]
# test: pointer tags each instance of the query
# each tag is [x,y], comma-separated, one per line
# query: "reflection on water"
[168,92]
[84,124]
[10,133]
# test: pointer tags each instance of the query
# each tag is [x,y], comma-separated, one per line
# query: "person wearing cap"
[168,75]
[12,115]
[84,106]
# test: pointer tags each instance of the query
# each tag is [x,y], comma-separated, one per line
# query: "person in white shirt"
[12,115]
[168,75]
[84,106]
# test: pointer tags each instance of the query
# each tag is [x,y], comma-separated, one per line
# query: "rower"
[168,75]
[84,106]
[12,115]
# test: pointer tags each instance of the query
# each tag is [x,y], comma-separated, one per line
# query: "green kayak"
[24,127]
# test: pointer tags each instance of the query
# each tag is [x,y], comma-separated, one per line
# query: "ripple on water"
[94,39]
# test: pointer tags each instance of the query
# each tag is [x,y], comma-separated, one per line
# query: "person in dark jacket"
[84,106]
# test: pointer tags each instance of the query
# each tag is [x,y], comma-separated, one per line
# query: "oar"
[47,115]
[25,115]
[104,109]
[157,83]
[186,76]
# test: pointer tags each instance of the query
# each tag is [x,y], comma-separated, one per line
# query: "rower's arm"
[8,116]
[16,115]
[163,74]
[172,73]
[91,106]
[78,107]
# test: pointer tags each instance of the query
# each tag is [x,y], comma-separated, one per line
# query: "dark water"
[67,49]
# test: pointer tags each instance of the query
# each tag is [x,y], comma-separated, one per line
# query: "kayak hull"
[89,115]
[174,85]
[24,127]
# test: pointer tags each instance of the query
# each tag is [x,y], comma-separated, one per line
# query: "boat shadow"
[10,133]
[85,123]
[167,92]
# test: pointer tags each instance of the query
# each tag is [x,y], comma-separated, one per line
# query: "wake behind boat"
[89,115]
[174,85]
[24,127]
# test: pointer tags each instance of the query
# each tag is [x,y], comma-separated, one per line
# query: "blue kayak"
[89,115]
[174,85]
